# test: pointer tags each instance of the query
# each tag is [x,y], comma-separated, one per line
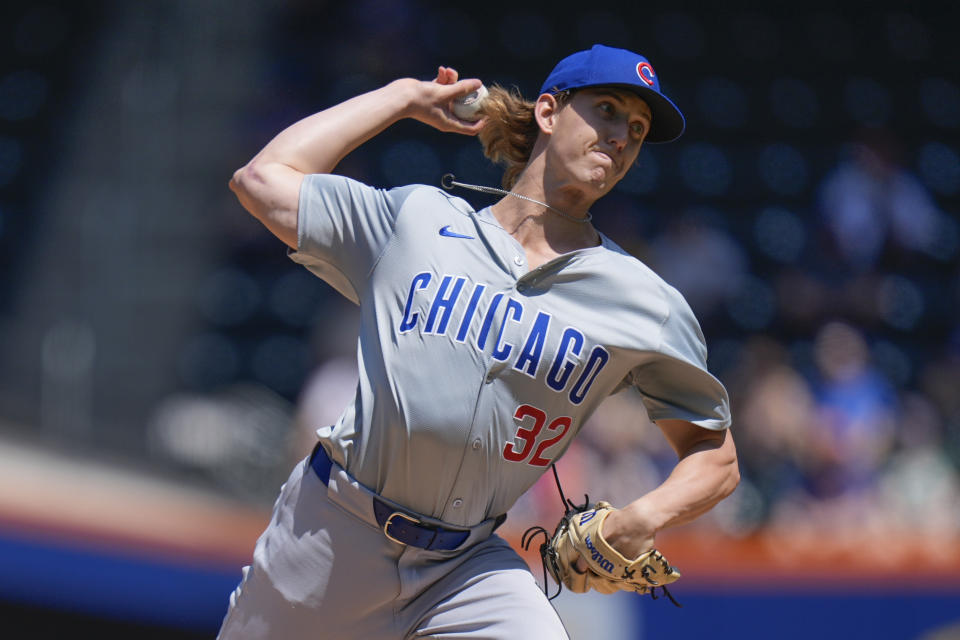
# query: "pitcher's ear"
[546,110]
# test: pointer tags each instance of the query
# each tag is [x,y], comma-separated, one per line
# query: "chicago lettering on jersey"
[573,368]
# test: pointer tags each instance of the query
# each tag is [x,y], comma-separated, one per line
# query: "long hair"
[511,130]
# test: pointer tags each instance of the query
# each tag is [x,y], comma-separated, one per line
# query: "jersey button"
[457,503]
[517,260]
[476,443]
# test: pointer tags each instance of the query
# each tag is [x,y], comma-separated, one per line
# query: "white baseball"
[468,107]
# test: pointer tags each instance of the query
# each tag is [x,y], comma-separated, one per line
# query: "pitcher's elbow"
[241,178]
[234,182]
[247,185]
[732,465]
[733,479]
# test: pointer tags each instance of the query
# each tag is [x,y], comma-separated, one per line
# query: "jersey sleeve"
[342,227]
[674,381]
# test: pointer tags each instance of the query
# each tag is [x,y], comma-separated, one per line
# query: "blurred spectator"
[870,203]
[695,255]
[326,393]
[920,489]
[332,384]
[855,407]
[775,413]
[939,382]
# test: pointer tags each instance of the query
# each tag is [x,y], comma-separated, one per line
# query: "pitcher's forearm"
[698,482]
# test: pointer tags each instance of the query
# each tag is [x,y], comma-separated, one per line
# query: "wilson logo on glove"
[605,564]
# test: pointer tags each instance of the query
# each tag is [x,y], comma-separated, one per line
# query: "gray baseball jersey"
[475,372]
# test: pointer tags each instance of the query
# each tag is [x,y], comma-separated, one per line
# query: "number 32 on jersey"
[529,451]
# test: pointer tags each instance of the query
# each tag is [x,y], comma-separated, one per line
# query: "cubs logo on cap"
[646,73]
[608,66]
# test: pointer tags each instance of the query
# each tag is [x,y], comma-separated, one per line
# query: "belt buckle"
[386,525]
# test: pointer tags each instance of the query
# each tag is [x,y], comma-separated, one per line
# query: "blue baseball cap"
[608,66]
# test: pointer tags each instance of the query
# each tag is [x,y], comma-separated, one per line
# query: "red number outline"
[565,422]
[529,436]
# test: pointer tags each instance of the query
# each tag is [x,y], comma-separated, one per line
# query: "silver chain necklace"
[448,182]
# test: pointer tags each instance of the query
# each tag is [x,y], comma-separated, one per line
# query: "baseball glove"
[578,535]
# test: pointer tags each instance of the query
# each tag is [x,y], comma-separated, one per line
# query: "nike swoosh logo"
[453,234]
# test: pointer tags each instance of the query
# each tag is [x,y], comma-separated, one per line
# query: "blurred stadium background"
[162,363]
